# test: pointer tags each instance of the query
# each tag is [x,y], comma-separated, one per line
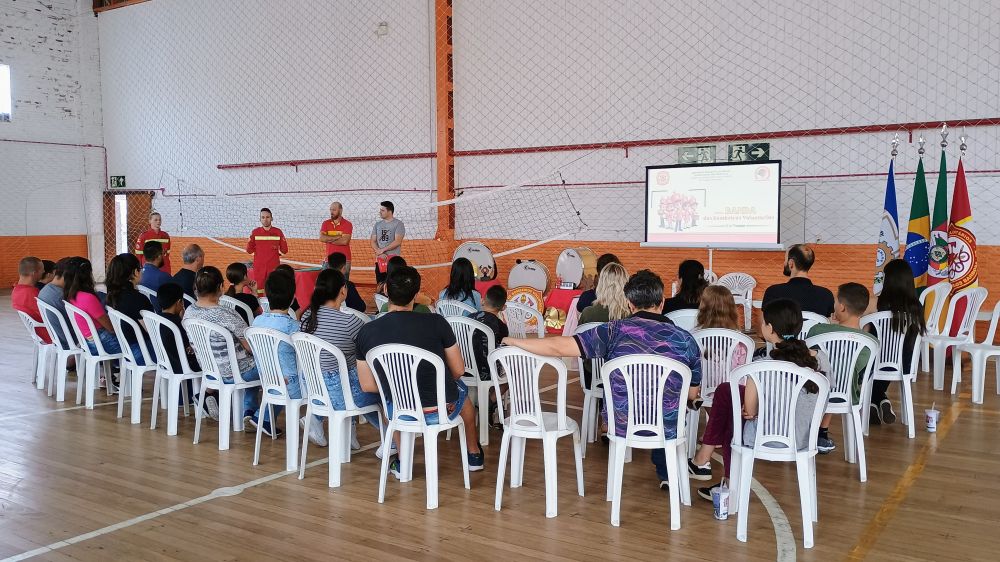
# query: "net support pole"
[444,90]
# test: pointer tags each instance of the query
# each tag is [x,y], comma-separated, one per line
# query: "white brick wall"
[52,49]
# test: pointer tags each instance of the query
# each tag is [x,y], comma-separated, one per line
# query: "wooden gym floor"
[79,484]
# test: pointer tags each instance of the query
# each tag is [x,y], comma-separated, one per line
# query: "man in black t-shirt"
[430,332]
[353,300]
[799,288]
[194,259]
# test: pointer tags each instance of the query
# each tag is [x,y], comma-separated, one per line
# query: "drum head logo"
[662,177]
[762,173]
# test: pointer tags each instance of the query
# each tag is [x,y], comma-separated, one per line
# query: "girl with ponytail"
[781,327]
[239,280]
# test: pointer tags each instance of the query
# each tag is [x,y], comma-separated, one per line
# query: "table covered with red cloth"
[561,299]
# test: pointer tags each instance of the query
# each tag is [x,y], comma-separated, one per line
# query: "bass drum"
[529,273]
[576,265]
[481,257]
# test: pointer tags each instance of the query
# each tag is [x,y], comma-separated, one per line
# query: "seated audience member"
[588,297]
[194,259]
[611,304]
[48,272]
[80,293]
[52,295]
[462,284]
[289,271]
[239,282]
[898,296]
[280,290]
[325,320]
[421,302]
[353,300]
[123,272]
[691,282]
[171,299]
[22,297]
[781,327]
[848,308]
[645,331]
[717,309]
[493,305]
[799,288]
[152,276]
[432,333]
[208,286]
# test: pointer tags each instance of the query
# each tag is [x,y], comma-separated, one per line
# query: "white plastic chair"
[741,285]
[265,304]
[890,366]
[380,300]
[519,318]
[778,387]
[981,353]
[449,307]
[348,310]
[92,360]
[238,306]
[844,350]
[148,293]
[965,332]
[55,324]
[645,378]
[591,414]
[398,363]
[527,420]
[719,348]
[133,367]
[201,333]
[810,319]
[308,349]
[189,299]
[42,349]
[938,295]
[465,329]
[165,373]
[686,318]
[266,343]
[711,277]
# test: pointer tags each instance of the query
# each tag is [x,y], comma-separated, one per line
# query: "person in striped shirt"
[267,244]
[154,234]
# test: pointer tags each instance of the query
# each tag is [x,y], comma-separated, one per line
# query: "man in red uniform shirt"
[336,233]
[154,234]
[22,298]
[267,244]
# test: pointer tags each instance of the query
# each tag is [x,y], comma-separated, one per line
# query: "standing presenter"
[154,234]
[336,234]
[387,238]
[267,244]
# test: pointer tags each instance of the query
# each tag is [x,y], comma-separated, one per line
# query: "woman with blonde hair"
[611,303]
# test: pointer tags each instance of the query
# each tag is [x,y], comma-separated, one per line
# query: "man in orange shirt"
[154,234]
[336,233]
[267,244]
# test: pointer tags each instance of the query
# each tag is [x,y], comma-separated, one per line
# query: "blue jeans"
[431,418]
[108,340]
[332,380]
[659,459]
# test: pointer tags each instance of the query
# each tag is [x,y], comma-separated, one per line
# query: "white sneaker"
[316,434]
[355,445]
[212,406]
[392,449]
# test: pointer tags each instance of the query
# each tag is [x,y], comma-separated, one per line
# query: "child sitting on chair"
[492,305]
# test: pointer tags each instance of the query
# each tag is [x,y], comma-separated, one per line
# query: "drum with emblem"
[481,257]
[527,284]
[575,266]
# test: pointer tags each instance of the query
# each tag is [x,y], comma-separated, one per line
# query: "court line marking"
[551,386]
[67,409]
[223,492]
[895,499]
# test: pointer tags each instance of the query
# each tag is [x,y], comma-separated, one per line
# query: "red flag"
[962,263]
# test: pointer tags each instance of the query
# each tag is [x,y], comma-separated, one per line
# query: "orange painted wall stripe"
[54,247]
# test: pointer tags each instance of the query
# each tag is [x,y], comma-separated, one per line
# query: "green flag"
[937,264]
[919,231]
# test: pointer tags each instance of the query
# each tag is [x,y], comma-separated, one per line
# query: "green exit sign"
[117,181]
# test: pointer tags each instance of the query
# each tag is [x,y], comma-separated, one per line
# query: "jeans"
[108,340]
[332,380]
[251,402]
[431,418]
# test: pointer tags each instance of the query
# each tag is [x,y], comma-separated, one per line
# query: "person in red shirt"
[267,244]
[22,298]
[154,234]
[336,233]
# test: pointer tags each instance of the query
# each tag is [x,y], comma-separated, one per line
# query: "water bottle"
[720,502]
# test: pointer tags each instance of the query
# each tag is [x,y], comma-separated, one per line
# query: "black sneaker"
[825,445]
[874,415]
[477,460]
[703,473]
[706,493]
[885,407]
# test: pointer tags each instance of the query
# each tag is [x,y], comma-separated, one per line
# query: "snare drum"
[575,265]
[481,257]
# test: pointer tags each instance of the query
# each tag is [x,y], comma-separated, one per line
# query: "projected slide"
[724,205]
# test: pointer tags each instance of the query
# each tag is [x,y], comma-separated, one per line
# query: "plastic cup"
[932,419]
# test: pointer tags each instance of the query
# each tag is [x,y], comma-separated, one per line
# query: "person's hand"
[253,285]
